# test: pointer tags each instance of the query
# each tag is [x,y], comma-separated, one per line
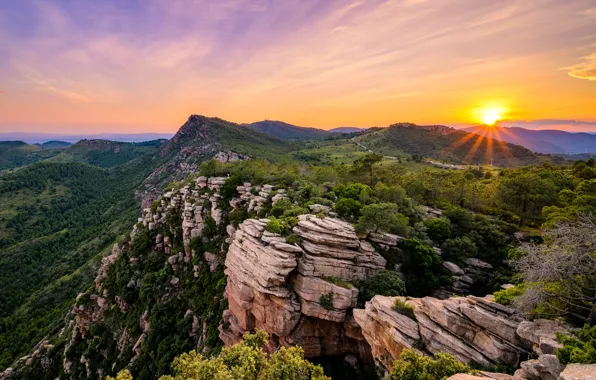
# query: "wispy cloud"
[586,69]
[591,12]
[316,62]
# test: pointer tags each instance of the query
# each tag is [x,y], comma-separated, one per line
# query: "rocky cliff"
[475,330]
[299,293]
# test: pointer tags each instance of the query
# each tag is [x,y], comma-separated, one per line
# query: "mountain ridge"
[542,141]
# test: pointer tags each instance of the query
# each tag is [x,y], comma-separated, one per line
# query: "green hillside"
[448,144]
[55,220]
[286,131]
[14,154]
[107,154]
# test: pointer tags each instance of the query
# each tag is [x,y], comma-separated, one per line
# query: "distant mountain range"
[347,130]
[40,138]
[542,141]
[286,131]
[447,144]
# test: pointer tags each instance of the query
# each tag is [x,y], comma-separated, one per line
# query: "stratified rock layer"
[471,328]
[298,293]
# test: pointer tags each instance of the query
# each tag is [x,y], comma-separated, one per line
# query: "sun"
[490,116]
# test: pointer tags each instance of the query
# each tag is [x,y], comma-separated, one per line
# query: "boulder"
[277,286]
[579,372]
[541,334]
[470,328]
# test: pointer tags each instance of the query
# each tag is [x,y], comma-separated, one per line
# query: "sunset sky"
[146,65]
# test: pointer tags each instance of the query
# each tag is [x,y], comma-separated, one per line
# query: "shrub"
[579,348]
[353,190]
[404,309]
[237,216]
[423,267]
[458,249]
[507,296]
[348,208]
[381,217]
[412,366]
[280,207]
[274,226]
[385,283]
[246,360]
[438,229]
[339,282]
[326,301]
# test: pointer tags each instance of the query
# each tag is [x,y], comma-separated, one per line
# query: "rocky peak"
[299,293]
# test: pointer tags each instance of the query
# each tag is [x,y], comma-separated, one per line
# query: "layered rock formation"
[299,293]
[473,329]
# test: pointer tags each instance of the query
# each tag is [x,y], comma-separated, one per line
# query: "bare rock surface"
[281,287]
[470,328]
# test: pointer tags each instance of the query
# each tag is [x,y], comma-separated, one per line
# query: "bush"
[246,360]
[274,226]
[412,366]
[507,296]
[382,217]
[458,249]
[423,268]
[438,230]
[580,348]
[385,283]
[326,301]
[404,309]
[348,208]
[354,190]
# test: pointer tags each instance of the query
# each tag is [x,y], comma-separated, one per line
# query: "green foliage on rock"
[385,283]
[438,230]
[413,366]
[382,217]
[580,347]
[423,268]
[403,308]
[326,301]
[247,361]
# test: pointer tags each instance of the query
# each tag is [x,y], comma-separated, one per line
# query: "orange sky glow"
[112,66]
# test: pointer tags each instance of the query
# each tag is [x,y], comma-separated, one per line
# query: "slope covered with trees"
[17,153]
[448,144]
[285,131]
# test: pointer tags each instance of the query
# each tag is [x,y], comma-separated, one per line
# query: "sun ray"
[472,151]
[488,156]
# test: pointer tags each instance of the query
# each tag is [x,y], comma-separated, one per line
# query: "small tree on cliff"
[382,217]
[412,366]
[244,361]
[561,273]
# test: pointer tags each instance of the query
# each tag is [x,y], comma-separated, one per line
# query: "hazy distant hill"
[54,144]
[107,154]
[40,138]
[346,130]
[287,131]
[447,144]
[18,153]
[543,141]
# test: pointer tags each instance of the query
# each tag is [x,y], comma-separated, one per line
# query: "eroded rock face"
[470,328]
[293,291]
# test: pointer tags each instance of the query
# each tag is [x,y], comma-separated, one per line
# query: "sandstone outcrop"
[470,328]
[298,293]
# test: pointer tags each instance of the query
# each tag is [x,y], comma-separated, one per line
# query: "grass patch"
[339,282]
[404,309]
